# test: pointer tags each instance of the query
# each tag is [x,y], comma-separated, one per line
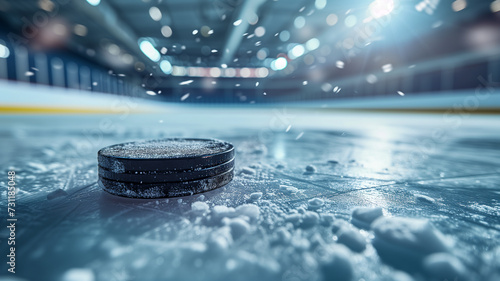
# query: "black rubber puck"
[168,176]
[165,155]
[165,168]
[167,189]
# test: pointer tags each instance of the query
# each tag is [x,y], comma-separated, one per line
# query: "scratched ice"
[378,206]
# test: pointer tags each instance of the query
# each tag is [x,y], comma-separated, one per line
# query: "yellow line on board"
[49,110]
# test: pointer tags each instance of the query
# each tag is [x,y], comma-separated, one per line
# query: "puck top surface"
[167,149]
[173,154]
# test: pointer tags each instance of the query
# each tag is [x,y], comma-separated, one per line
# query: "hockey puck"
[166,189]
[165,155]
[165,168]
[168,176]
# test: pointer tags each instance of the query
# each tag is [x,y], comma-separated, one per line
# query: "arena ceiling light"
[94,2]
[381,8]
[149,50]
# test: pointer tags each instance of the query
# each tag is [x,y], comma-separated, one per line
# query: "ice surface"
[56,194]
[280,235]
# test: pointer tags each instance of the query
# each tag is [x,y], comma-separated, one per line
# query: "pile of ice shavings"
[167,148]
[265,241]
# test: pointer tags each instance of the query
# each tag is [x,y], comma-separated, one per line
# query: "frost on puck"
[165,168]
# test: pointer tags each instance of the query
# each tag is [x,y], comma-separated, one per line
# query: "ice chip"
[364,216]
[404,242]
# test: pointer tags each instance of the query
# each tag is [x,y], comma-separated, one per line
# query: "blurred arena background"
[401,55]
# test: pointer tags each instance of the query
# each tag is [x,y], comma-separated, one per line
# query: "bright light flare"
[381,8]
[296,51]
[279,64]
[149,50]
[166,67]
[155,13]
[94,2]
[312,44]
[4,51]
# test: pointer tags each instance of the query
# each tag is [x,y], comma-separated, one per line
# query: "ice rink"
[364,134]
[289,213]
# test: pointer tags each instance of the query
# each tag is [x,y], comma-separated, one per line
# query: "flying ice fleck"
[401,93]
[340,64]
[236,23]
[29,73]
[304,83]
[372,79]
[288,128]
[184,97]
[187,82]
[326,87]
[299,135]
[151,93]
[256,84]
[387,67]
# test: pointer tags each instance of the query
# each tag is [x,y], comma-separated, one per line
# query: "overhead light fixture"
[166,67]
[299,22]
[4,51]
[155,13]
[381,8]
[149,50]
[320,4]
[312,44]
[296,51]
[279,64]
[94,2]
